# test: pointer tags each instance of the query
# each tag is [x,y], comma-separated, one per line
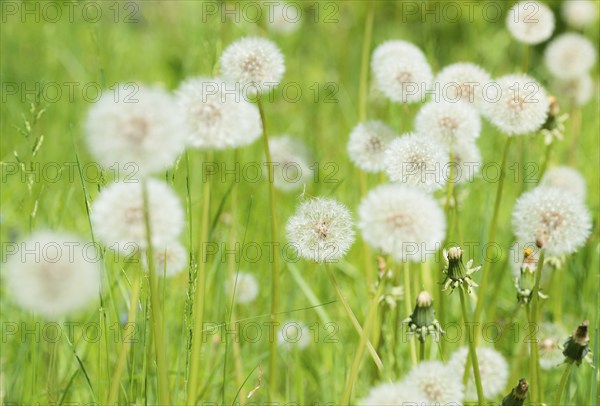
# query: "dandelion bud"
[457,274]
[577,346]
[422,321]
[517,395]
[554,127]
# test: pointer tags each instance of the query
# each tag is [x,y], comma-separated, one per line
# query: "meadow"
[138,338]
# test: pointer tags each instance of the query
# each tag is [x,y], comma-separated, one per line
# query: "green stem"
[115,385]
[472,350]
[408,310]
[492,235]
[534,368]
[198,312]
[526,58]
[421,351]
[156,319]
[546,160]
[352,317]
[275,266]
[562,384]
[358,356]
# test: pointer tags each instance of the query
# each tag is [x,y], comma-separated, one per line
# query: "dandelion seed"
[118,216]
[136,127]
[402,221]
[216,116]
[448,123]
[54,275]
[394,394]
[579,13]
[550,218]
[401,71]
[246,287]
[567,179]
[440,385]
[463,81]
[321,230]
[492,367]
[521,106]
[367,145]
[530,22]
[417,160]
[569,56]
[256,63]
[292,163]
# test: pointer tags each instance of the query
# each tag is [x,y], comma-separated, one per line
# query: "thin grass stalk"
[198,312]
[563,382]
[408,309]
[472,351]
[156,318]
[534,368]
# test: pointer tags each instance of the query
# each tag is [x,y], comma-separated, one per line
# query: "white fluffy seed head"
[462,81]
[552,218]
[519,105]
[136,127]
[530,22]
[256,63]
[579,13]
[467,158]
[448,123]
[439,384]
[216,115]
[417,160]
[569,56]
[394,394]
[368,143]
[294,334]
[551,336]
[53,274]
[118,216]
[284,18]
[402,221]
[492,367]
[246,287]
[292,163]
[171,259]
[321,230]
[401,71]
[578,90]
[567,179]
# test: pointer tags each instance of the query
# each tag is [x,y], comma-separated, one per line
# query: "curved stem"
[198,313]
[156,320]
[472,351]
[562,384]
[275,266]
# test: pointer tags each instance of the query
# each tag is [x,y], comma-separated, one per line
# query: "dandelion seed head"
[117,215]
[394,394]
[463,81]
[579,13]
[53,274]
[216,115]
[292,163]
[548,216]
[436,382]
[256,63]
[136,127]
[493,369]
[567,179]
[569,56]
[402,221]
[284,18]
[246,287]
[551,336]
[321,230]
[294,334]
[417,160]
[467,158]
[367,145]
[171,259]
[530,22]
[578,90]
[521,107]
[448,122]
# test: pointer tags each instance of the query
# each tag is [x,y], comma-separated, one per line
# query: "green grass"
[171,43]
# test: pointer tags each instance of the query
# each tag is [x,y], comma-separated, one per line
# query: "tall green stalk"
[534,367]
[275,266]
[198,312]
[472,351]
[563,382]
[156,319]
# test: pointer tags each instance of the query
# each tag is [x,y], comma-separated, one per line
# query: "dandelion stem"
[534,349]
[563,383]
[352,317]
[492,235]
[408,309]
[526,52]
[472,350]
[198,313]
[358,356]
[421,351]
[275,271]
[115,385]
[156,319]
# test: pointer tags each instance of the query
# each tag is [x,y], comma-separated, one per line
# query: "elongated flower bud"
[517,396]
[577,346]
[457,274]
[422,321]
